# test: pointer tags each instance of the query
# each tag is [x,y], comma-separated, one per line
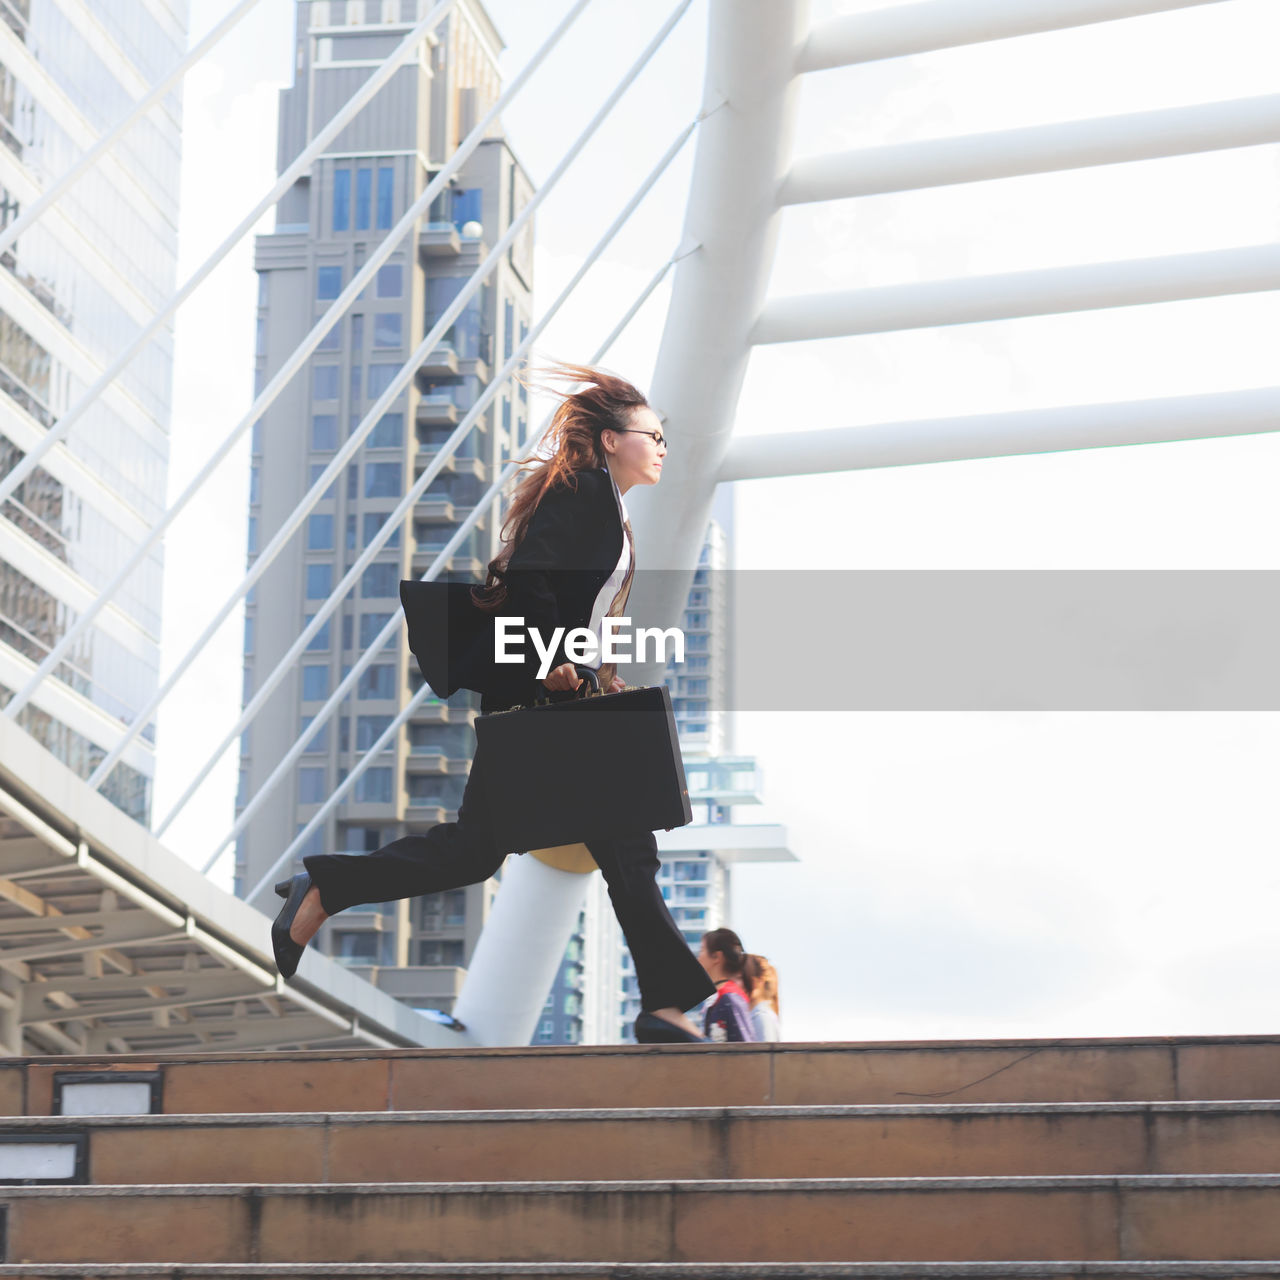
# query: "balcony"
[452,465]
[439,240]
[437,411]
[442,713]
[428,813]
[441,363]
[423,560]
[439,509]
[428,760]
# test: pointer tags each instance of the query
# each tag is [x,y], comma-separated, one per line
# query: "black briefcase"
[583,768]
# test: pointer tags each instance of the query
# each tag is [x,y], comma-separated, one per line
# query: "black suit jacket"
[572,545]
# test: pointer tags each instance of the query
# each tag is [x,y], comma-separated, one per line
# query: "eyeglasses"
[656,436]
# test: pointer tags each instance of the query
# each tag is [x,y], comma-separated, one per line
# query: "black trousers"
[454,854]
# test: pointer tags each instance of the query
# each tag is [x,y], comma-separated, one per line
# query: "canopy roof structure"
[111,943]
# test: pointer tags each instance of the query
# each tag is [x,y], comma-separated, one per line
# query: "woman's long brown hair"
[606,402]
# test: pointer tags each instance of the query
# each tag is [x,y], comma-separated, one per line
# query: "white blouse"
[613,584]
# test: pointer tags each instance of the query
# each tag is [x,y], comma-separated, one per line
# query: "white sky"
[961,875]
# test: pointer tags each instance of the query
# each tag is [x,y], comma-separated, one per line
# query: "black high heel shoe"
[289,953]
[650,1029]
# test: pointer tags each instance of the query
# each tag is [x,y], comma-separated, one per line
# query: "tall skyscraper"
[75,289]
[326,226]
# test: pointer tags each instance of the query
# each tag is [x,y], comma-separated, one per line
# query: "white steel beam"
[1051,291]
[997,435]
[1075,144]
[900,30]
[743,154]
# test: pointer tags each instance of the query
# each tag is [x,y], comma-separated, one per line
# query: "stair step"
[651,1271]
[1225,1217]
[1186,1068]
[929,1140]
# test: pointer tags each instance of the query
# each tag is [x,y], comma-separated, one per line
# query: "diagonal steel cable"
[395,517]
[300,164]
[135,113]
[489,498]
[282,377]
[397,384]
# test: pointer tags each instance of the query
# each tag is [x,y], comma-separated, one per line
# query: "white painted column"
[520,949]
[744,153]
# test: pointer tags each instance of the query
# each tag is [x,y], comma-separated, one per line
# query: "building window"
[320,534]
[371,625]
[373,786]
[358,946]
[467,207]
[321,638]
[547,1030]
[388,329]
[455,907]
[380,580]
[374,521]
[248,634]
[324,381]
[324,430]
[369,729]
[390,281]
[320,739]
[448,951]
[377,681]
[310,786]
[381,479]
[253,535]
[319,581]
[381,376]
[386,196]
[364,198]
[328,283]
[341,200]
[317,470]
[389,433]
[332,340]
[315,683]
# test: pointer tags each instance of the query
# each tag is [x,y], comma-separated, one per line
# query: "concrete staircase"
[1156,1158]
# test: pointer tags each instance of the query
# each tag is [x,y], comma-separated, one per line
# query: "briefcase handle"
[588,674]
[591,676]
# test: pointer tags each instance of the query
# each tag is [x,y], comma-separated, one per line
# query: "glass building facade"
[76,288]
